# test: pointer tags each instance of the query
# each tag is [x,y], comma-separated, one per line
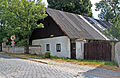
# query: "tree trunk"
[27,46]
[27,49]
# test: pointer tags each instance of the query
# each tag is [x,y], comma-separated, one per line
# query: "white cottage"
[65,35]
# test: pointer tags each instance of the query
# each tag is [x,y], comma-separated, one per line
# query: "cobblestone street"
[19,68]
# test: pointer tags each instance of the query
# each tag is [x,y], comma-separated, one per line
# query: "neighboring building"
[69,35]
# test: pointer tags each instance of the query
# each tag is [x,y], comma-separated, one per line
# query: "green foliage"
[111,63]
[47,54]
[2,34]
[74,6]
[109,9]
[5,40]
[20,17]
[22,42]
[115,28]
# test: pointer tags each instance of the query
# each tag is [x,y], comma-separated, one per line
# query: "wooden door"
[73,50]
[97,51]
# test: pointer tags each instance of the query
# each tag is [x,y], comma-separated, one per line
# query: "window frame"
[58,47]
[47,47]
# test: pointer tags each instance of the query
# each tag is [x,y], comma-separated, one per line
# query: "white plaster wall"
[16,50]
[35,50]
[63,40]
[79,49]
[117,53]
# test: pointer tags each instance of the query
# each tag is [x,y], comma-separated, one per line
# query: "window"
[58,47]
[47,47]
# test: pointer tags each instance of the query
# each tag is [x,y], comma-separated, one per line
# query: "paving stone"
[19,68]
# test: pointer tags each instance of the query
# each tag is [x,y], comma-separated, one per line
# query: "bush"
[47,54]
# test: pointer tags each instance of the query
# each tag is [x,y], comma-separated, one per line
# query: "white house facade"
[67,34]
[58,46]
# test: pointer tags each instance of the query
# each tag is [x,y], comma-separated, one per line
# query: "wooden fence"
[97,51]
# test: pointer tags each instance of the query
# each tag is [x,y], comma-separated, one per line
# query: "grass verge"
[63,59]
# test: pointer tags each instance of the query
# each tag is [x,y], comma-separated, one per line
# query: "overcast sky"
[95,13]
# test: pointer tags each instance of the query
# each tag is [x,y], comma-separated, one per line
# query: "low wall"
[35,50]
[117,53]
[5,49]
[16,50]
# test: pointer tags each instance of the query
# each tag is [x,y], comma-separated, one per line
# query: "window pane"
[47,47]
[58,47]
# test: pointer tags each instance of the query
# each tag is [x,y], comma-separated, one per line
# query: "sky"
[95,13]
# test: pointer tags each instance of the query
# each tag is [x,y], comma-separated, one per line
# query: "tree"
[73,6]
[109,9]
[115,28]
[19,18]
[1,34]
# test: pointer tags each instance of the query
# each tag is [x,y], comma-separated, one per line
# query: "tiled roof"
[76,26]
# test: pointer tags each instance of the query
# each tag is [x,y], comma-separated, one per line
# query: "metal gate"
[97,51]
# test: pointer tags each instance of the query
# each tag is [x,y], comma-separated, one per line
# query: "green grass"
[86,62]
[96,62]
[34,56]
